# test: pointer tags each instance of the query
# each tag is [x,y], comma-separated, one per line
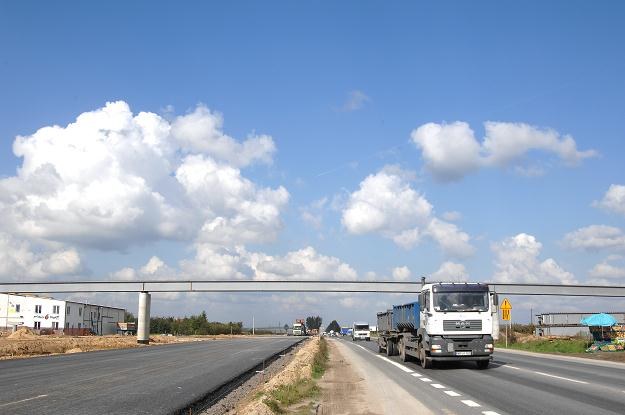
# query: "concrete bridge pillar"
[143,318]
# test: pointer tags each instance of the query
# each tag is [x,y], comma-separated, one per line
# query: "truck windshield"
[361,327]
[461,301]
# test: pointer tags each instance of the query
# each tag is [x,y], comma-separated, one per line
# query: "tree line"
[193,325]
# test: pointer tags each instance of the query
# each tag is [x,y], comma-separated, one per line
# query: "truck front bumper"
[436,358]
[454,349]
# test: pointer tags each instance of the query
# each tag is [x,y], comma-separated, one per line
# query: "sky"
[460,141]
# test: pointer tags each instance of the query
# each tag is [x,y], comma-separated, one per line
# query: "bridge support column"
[143,318]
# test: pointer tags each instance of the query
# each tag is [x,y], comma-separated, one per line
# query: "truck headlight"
[436,348]
[488,347]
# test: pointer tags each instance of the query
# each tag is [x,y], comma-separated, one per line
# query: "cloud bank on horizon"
[113,180]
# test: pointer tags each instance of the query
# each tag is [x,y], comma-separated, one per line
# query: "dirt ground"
[25,343]
[299,367]
[343,390]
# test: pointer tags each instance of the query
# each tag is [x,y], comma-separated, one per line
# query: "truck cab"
[456,322]
[360,331]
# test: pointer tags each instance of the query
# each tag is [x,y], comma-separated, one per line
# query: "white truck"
[450,322]
[299,329]
[360,331]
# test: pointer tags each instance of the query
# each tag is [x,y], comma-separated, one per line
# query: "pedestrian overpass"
[145,288]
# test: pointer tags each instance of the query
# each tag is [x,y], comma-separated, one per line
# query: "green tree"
[333,326]
[313,322]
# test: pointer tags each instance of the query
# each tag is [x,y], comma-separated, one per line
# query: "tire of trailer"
[482,364]
[402,351]
[425,362]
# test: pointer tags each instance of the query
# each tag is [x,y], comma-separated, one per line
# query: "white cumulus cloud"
[201,131]
[386,204]
[21,260]
[596,238]
[613,200]
[355,100]
[112,179]
[401,273]
[451,151]
[450,272]
[517,260]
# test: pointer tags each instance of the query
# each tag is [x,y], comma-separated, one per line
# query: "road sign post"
[506,312]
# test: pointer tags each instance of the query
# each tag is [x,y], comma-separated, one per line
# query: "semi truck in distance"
[449,322]
[299,328]
[360,331]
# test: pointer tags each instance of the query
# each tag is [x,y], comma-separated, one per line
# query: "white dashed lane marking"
[467,402]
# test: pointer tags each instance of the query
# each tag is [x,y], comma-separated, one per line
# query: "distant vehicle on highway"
[450,322]
[360,331]
[299,328]
[346,331]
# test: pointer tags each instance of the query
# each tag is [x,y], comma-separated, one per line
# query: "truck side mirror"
[495,299]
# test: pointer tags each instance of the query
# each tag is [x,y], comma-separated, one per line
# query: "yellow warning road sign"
[506,305]
[505,314]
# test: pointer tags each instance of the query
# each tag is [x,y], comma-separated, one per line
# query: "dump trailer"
[450,322]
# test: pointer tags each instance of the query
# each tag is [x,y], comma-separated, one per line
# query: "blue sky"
[339,88]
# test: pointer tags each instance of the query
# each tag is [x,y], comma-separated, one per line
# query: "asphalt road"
[514,384]
[150,380]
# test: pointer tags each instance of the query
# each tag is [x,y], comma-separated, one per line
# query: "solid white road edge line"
[402,367]
[560,377]
[470,403]
[23,400]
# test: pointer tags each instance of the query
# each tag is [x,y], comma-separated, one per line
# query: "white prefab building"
[69,317]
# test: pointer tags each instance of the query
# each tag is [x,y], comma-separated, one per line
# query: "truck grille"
[462,325]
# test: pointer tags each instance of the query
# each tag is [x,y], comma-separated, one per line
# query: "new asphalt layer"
[149,380]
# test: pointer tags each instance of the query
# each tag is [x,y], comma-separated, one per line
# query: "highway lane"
[522,384]
[149,380]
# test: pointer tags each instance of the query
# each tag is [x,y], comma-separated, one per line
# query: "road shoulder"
[382,394]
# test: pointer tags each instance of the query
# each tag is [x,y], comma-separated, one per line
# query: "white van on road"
[360,331]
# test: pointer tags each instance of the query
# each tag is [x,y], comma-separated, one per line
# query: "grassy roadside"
[284,399]
[563,346]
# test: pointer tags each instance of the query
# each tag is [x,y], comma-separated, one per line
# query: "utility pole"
[253,325]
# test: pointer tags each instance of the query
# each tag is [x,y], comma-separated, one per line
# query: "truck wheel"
[425,362]
[402,352]
[482,364]
[389,348]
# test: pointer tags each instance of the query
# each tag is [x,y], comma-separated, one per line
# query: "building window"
[37,325]
[55,325]
[55,309]
[17,308]
[66,325]
[79,312]
[79,324]
[38,309]
[68,310]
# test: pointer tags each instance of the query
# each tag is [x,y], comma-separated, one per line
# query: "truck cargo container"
[450,322]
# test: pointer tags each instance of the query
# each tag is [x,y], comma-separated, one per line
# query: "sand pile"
[23,333]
